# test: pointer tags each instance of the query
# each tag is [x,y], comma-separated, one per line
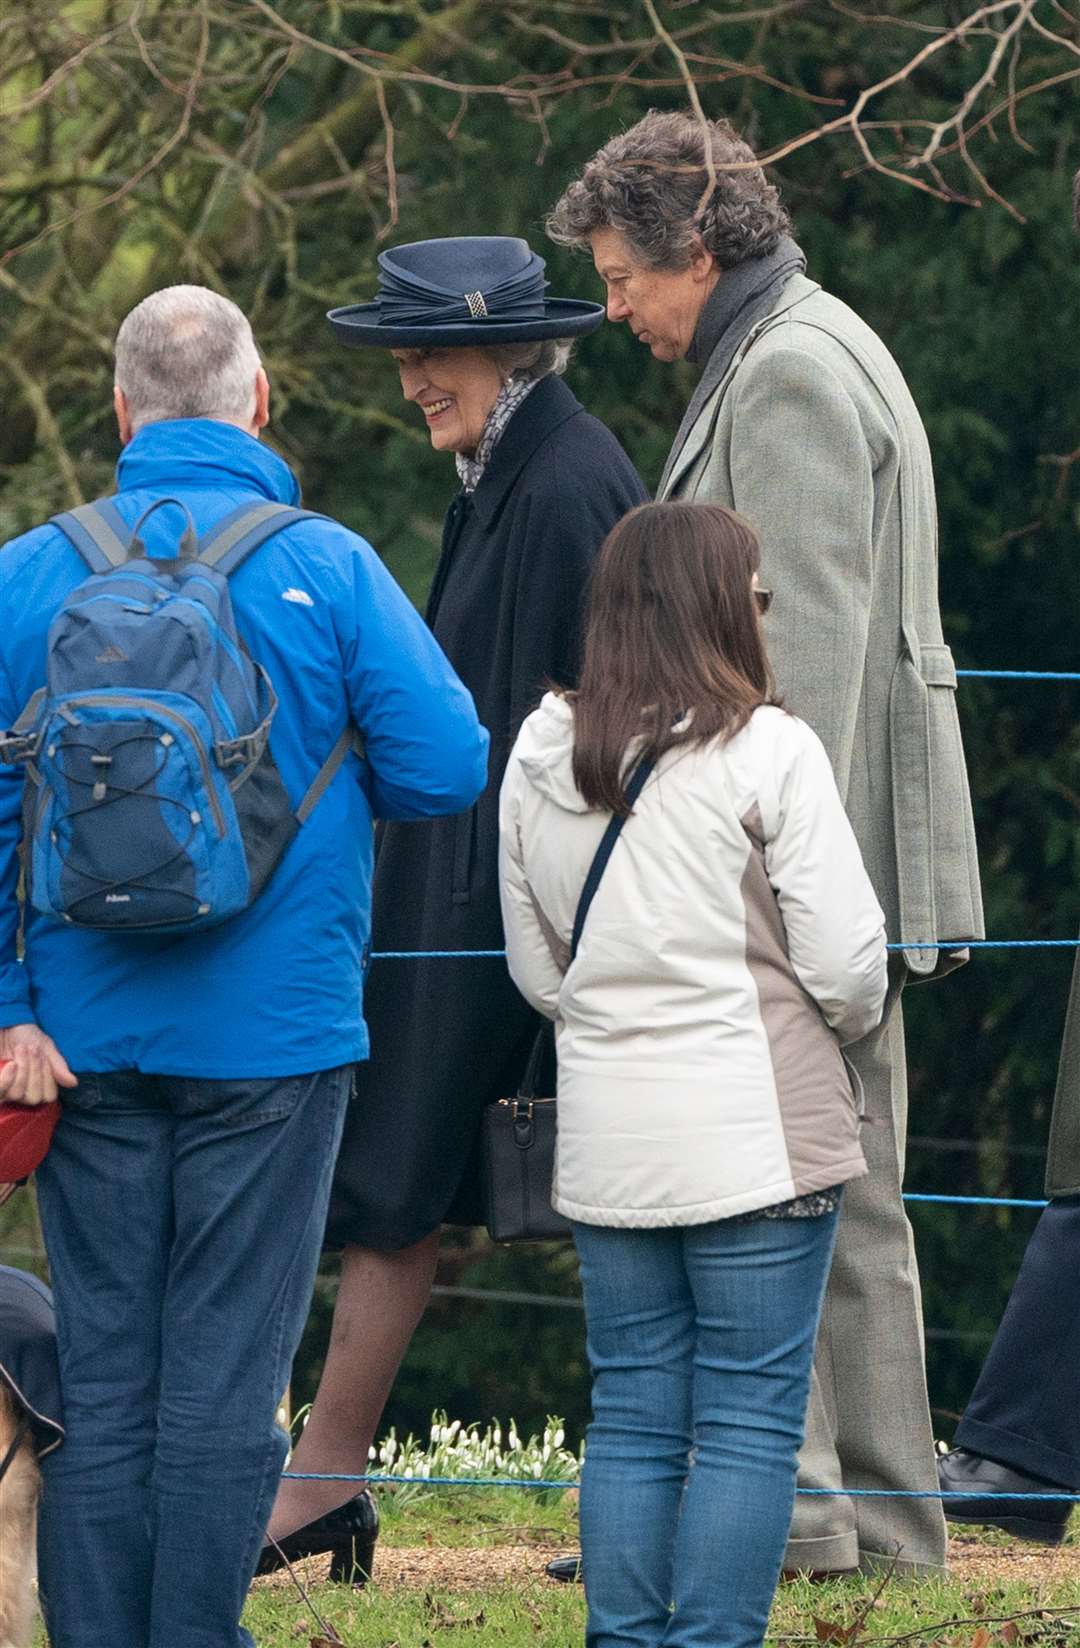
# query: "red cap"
[26,1132]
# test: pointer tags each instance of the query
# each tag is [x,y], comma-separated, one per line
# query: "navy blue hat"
[462,292]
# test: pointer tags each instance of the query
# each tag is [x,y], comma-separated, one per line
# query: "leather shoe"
[1042,1520]
[348,1533]
[566,1568]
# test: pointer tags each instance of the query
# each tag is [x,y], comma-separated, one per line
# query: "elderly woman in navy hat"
[480,350]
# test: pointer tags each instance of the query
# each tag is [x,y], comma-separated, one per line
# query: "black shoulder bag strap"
[605,849]
[545,1035]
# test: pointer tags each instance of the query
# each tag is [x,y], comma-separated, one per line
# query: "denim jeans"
[183,1221]
[700,1341]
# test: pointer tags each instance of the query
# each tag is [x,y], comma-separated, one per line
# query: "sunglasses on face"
[763,597]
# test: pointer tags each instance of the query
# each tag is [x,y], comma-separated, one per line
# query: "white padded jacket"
[733,945]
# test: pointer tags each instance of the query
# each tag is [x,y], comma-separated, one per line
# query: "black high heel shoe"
[348,1533]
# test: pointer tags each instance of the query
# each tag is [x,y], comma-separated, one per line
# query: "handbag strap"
[529,1084]
[543,1044]
[605,849]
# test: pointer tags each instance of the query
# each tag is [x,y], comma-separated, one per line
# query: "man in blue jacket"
[205,1075]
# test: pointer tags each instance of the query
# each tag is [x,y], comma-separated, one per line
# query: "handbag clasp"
[522,1116]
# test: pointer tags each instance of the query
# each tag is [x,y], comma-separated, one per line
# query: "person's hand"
[35,1069]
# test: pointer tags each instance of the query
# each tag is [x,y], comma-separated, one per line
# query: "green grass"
[544,1615]
[538,1612]
[473,1517]
[938,1609]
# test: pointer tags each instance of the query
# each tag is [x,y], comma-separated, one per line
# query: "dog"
[20,1487]
[30,1427]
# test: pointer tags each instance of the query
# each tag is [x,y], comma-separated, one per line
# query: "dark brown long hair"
[671,627]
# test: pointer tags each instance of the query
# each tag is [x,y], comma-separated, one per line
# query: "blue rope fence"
[923,944]
[383,1479]
[939,1200]
[1018,675]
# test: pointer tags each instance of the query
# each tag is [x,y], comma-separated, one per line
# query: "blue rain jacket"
[277,990]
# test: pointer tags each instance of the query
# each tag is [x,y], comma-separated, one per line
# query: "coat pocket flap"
[937,667]
[936,862]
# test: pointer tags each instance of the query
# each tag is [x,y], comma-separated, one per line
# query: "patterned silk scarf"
[507,401]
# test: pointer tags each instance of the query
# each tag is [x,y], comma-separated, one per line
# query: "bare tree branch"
[156,158]
[695,103]
[47,87]
[48,429]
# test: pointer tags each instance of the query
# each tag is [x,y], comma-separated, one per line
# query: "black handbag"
[518,1134]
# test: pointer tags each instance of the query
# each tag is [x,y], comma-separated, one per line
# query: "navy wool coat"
[449,1036]
[1063,1163]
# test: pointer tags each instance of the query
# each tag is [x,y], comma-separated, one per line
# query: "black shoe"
[1043,1520]
[348,1533]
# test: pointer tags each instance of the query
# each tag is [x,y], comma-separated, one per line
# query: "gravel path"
[423,1568]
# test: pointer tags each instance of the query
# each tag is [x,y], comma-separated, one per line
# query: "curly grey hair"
[533,360]
[647,183]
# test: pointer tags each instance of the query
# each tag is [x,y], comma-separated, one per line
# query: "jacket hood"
[545,749]
[203,452]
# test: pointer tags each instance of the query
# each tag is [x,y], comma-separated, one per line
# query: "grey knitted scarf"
[741,297]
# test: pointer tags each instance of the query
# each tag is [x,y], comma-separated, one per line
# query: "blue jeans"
[183,1221]
[700,1341]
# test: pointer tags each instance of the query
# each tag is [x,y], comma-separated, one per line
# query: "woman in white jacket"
[706,1115]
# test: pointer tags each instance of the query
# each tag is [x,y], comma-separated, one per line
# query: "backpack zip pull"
[100,789]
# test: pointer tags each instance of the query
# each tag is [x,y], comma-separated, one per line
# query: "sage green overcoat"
[814,437]
[1063,1162]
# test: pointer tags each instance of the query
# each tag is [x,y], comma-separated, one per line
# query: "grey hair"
[647,182]
[187,352]
[533,360]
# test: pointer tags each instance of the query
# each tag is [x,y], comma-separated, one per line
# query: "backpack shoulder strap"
[98,531]
[240,533]
[225,547]
[604,851]
[350,739]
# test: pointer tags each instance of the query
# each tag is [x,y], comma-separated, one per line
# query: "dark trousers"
[1025,1409]
[183,1221]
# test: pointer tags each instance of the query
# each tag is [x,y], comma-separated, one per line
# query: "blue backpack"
[152,799]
